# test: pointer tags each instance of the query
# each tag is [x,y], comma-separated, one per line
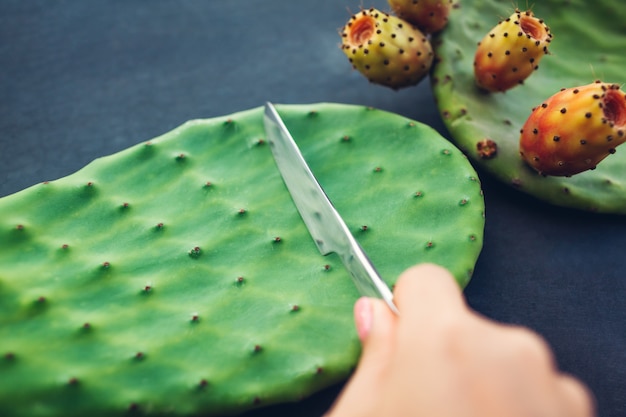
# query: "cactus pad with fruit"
[177,278]
[588,45]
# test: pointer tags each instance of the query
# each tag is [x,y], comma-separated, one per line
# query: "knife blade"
[327,228]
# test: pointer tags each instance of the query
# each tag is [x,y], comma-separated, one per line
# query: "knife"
[327,228]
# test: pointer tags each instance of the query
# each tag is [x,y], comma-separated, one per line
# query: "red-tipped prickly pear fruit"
[575,129]
[430,16]
[511,51]
[386,49]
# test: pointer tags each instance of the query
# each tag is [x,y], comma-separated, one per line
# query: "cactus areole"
[205,294]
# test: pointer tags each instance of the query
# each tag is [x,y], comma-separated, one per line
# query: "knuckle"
[531,347]
[578,397]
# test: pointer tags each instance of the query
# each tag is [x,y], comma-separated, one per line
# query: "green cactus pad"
[588,44]
[177,278]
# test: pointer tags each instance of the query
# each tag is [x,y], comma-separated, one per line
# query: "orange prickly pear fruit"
[575,129]
[386,49]
[511,51]
[430,16]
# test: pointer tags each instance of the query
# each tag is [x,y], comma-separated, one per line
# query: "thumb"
[375,325]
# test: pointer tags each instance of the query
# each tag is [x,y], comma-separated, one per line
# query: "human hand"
[439,358]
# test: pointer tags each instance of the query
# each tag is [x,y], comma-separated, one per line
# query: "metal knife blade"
[325,225]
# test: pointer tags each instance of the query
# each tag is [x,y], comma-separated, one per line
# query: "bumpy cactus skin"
[177,278]
[511,51]
[385,49]
[575,129]
[588,44]
[429,16]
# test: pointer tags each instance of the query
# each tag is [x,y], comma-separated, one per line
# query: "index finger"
[427,289]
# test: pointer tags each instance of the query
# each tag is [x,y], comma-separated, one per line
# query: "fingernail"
[363,317]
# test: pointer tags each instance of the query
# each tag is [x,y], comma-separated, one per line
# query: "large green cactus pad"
[177,278]
[589,44]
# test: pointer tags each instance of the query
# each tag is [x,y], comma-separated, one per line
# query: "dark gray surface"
[79,80]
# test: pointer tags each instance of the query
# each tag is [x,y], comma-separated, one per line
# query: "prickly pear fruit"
[511,51]
[386,49]
[430,16]
[575,129]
